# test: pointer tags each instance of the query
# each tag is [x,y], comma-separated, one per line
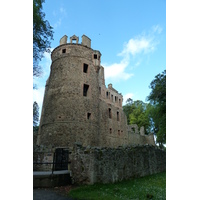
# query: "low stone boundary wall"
[108,165]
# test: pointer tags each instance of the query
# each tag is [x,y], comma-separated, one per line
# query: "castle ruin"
[83,134]
[77,105]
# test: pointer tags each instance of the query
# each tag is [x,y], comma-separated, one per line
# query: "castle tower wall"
[71,107]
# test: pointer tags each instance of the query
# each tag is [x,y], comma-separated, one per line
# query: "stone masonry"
[78,107]
[91,165]
[82,115]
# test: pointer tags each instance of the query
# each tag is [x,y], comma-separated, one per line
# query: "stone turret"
[70,108]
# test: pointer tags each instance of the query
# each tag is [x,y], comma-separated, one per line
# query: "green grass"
[149,187]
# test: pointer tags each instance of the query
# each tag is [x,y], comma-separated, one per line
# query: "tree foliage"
[137,113]
[42,34]
[157,99]
[35,114]
[151,115]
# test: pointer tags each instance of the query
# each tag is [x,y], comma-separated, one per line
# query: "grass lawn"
[149,187]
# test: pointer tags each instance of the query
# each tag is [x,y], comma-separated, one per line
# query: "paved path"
[48,194]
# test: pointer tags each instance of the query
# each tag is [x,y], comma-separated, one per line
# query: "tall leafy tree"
[42,34]
[139,116]
[35,114]
[136,112]
[157,98]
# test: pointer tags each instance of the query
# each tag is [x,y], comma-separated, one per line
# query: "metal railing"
[48,161]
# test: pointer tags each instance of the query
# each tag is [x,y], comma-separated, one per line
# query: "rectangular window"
[120,102]
[99,90]
[88,115]
[117,116]
[109,112]
[95,56]
[85,90]
[85,68]
[64,51]
[110,130]
[107,95]
[112,97]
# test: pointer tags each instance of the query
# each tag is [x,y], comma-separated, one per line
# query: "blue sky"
[130,34]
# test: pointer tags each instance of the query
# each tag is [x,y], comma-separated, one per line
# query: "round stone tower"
[70,111]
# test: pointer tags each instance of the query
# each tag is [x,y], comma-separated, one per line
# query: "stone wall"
[108,165]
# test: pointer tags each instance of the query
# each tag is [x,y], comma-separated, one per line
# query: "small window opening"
[85,89]
[64,51]
[95,56]
[99,90]
[112,97]
[107,95]
[109,112]
[120,102]
[74,41]
[85,68]
[88,115]
[116,98]
[117,116]
[110,130]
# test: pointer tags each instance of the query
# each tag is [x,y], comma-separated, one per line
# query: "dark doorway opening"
[61,159]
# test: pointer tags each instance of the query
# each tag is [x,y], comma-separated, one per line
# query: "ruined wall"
[136,136]
[107,165]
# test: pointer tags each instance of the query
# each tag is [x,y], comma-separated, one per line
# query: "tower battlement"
[86,41]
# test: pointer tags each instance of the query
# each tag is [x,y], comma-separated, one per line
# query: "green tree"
[137,113]
[157,99]
[35,114]
[42,34]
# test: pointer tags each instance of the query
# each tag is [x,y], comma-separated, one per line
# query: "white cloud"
[117,71]
[127,96]
[135,46]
